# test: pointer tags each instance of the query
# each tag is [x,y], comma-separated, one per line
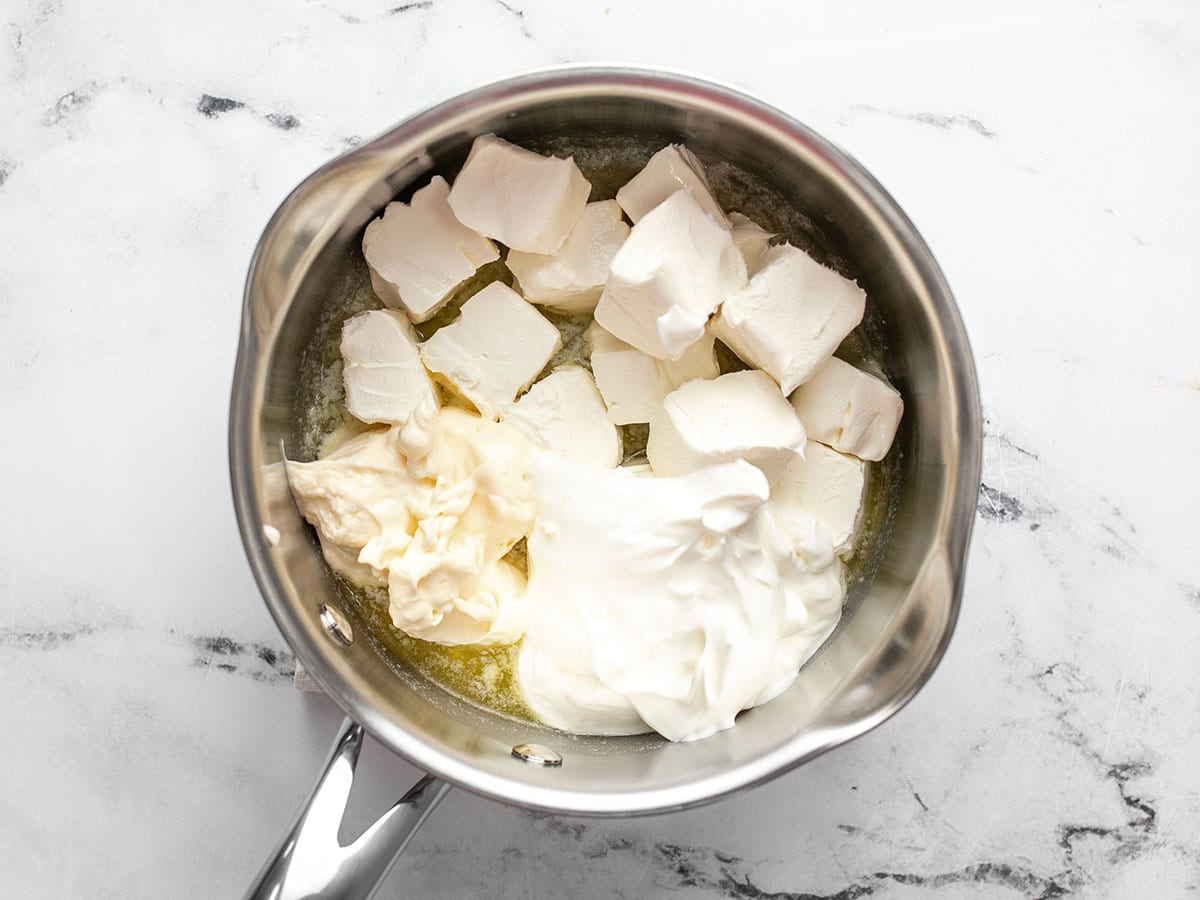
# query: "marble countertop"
[152,742]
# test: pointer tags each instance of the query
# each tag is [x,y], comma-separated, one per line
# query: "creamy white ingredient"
[669,276]
[381,368]
[642,470]
[635,384]
[565,413]
[524,200]
[741,415]
[830,486]
[428,510]
[419,253]
[671,169]
[752,241]
[494,349]
[849,409]
[702,604]
[571,279]
[790,317]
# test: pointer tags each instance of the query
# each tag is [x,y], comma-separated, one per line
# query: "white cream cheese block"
[671,169]
[381,367]
[668,277]
[494,349]
[564,412]
[849,409]
[418,252]
[634,384]
[642,470]
[571,279]
[524,200]
[741,415]
[830,486]
[791,317]
[752,240]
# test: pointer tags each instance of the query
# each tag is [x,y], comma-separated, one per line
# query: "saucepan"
[904,598]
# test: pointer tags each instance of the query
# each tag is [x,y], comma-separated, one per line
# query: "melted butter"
[485,676]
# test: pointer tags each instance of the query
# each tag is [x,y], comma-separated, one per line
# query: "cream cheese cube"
[741,415]
[381,368]
[631,382]
[601,340]
[565,414]
[671,169]
[849,409]
[635,384]
[418,252]
[642,470]
[752,240]
[571,279]
[494,349]
[791,317]
[524,200]
[699,362]
[668,278]
[830,486]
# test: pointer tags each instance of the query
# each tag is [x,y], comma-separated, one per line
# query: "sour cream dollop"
[668,604]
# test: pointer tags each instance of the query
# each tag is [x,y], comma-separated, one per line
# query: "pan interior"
[308,276]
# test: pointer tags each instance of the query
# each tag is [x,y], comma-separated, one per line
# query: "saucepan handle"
[310,863]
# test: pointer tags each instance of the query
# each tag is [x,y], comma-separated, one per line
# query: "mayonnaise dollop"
[428,510]
[668,604]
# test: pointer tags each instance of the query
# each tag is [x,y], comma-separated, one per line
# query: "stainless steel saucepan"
[900,612]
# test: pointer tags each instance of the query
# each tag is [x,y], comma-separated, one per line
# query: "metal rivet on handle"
[337,624]
[537,754]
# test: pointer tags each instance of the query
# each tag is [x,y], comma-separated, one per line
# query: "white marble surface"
[152,744]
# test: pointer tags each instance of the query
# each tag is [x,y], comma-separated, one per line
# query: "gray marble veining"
[153,744]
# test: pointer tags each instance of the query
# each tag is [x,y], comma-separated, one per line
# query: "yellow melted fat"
[485,676]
